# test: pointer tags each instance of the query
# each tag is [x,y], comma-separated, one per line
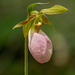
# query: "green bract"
[37,19]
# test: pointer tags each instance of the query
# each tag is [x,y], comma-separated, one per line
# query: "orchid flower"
[40,46]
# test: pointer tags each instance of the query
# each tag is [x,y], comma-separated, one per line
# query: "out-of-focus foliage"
[12,41]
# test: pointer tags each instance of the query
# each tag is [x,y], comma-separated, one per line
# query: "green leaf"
[57,9]
[30,7]
[24,22]
[46,21]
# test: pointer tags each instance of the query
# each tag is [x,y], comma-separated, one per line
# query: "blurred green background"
[12,41]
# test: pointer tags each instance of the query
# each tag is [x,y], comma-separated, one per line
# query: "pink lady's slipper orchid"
[40,46]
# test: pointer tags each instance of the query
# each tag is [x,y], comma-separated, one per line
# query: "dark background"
[12,41]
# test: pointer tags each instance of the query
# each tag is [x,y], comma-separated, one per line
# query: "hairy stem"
[26,55]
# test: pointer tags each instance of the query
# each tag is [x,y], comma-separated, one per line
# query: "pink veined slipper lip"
[40,46]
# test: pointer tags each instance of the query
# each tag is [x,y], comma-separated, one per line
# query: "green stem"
[26,55]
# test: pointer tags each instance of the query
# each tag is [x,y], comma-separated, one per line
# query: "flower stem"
[26,55]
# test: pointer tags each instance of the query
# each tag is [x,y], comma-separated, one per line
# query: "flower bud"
[40,46]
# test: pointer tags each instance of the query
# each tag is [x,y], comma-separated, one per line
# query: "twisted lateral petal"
[45,19]
[40,47]
[25,22]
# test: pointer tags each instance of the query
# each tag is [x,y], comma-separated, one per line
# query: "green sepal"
[30,7]
[57,9]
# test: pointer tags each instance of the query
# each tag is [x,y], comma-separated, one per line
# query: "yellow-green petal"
[57,9]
